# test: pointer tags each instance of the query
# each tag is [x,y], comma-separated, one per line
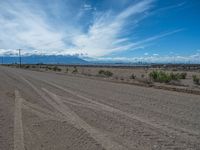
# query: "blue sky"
[111,30]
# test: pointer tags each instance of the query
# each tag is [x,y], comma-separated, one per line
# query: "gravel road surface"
[47,111]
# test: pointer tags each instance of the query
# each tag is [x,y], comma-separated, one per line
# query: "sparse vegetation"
[174,76]
[178,76]
[183,75]
[27,67]
[75,70]
[174,69]
[56,68]
[196,79]
[161,76]
[171,76]
[49,68]
[67,70]
[133,76]
[105,73]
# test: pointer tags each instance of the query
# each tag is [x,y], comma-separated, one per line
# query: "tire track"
[41,112]
[105,107]
[96,107]
[170,129]
[167,129]
[102,106]
[81,124]
[76,120]
[114,110]
[18,127]
[21,104]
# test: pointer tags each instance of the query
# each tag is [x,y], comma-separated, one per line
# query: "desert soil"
[47,111]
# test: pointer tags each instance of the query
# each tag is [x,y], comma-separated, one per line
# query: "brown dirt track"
[46,111]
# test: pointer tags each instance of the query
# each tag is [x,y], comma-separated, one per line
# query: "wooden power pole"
[20,59]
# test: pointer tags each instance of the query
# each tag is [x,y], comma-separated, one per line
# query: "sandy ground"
[46,111]
[124,74]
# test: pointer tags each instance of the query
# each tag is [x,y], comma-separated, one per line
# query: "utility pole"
[20,59]
[2,60]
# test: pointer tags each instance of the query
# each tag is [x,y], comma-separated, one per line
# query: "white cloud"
[9,52]
[138,8]
[87,7]
[20,28]
[32,29]
[103,35]
[194,58]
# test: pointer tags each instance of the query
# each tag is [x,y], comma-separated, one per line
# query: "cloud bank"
[155,58]
[66,27]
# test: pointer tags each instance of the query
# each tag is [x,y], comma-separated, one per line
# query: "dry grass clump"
[75,70]
[196,79]
[56,68]
[163,77]
[133,76]
[105,73]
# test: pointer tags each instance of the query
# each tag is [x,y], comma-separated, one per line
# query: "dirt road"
[46,111]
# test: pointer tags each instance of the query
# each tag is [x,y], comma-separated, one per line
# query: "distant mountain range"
[50,59]
[67,59]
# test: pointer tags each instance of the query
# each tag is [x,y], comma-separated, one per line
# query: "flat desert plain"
[48,111]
